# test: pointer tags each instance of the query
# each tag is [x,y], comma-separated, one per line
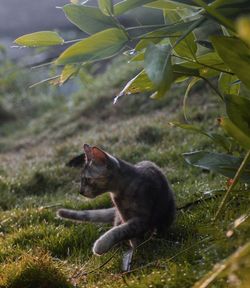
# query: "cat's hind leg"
[95,216]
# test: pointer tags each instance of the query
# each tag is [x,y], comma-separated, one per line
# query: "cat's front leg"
[131,229]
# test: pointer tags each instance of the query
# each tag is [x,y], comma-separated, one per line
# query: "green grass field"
[39,250]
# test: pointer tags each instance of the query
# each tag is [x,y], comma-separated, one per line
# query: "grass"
[39,250]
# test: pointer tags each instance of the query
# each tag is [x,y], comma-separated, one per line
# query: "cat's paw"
[100,247]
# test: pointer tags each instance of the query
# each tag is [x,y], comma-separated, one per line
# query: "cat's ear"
[77,162]
[103,158]
[99,156]
[88,152]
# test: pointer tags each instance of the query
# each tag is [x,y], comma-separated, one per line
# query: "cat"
[143,200]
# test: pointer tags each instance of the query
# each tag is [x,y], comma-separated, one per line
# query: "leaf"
[191,2]
[181,71]
[205,64]
[232,8]
[187,47]
[140,83]
[223,164]
[89,19]
[161,33]
[235,54]
[99,46]
[162,4]
[106,6]
[238,108]
[42,38]
[127,5]
[217,138]
[137,57]
[235,132]
[225,21]
[159,67]
[243,28]
[226,84]
[68,72]
[189,87]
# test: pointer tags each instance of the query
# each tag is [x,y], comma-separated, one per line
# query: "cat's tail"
[98,216]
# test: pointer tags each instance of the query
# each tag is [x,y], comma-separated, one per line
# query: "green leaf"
[187,47]
[140,83]
[161,33]
[227,84]
[236,55]
[217,138]
[193,81]
[223,164]
[42,38]
[243,28]
[159,67]
[127,5]
[88,19]
[235,132]
[216,14]
[68,72]
[168,5]
[181,71]
[99,46]
[191,2]
[232,8]
[106,6]
[205,63]
[238,110]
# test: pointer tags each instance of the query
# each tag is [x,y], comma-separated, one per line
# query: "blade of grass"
[235,181]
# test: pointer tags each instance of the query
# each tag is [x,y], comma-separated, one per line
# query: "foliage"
[170,53]
[175,52]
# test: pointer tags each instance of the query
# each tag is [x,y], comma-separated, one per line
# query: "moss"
[35,269]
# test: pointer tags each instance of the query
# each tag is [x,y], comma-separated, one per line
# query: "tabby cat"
[143,200]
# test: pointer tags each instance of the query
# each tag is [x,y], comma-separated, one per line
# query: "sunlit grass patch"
[34,269]
[35,183]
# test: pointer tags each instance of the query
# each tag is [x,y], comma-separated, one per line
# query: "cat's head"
[98,170]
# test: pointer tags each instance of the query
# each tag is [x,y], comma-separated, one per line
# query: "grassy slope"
[36,248]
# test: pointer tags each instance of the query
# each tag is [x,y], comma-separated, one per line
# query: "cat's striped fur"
[143,200]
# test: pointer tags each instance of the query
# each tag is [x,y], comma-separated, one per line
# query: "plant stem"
[73,41]
[212,86]
[147,26]
[235,181]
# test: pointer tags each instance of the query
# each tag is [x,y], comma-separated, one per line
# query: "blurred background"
[21,68]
